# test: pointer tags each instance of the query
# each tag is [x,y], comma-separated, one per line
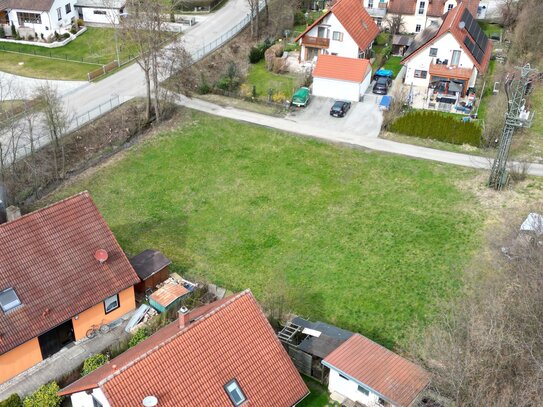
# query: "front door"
[54,340]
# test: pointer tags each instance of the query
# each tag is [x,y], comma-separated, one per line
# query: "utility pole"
[516,116]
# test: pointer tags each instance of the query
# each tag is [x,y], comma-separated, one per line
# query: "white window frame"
[433,52]
[370,3]
[59,13]
[231,388]
[363,390]
[337,36]
[68,8]
[109,301]
[450,7]
[418,27]
[420,74]
[422,7]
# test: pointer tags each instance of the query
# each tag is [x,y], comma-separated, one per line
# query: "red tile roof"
[190,366]
[355,19]
[346,69]
[397,379]
[450,24]
[47,257]
[168,293]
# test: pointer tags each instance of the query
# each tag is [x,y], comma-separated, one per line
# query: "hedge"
[140,335]
[92,363]
[437,126]
[12,401]
[45,396]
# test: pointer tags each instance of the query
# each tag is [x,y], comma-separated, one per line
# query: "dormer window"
[234,392]
[9,299]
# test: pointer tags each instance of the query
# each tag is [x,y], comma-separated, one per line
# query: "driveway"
[363,120]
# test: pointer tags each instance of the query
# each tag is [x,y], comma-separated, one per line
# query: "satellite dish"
[101,255]
[461,25]
[150,401]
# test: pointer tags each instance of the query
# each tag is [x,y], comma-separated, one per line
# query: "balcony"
[315,42]
[449,71]
[379,12]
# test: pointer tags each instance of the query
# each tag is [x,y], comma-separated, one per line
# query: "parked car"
[381,85]
[386,73]
[301,97]
[340,108]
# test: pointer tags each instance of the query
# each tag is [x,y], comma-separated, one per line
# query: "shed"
[168,296]
[400,43]
[341,78]
[151,267]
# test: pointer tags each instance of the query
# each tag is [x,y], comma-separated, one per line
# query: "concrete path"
[350,138]
[62,362]
[21,87]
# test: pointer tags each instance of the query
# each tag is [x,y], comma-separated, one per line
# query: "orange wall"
[19,359]
[95,315]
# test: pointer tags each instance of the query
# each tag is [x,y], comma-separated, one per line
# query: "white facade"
[83,399]
[58,18]
[446,45]
[99,15]
[351,389]
[340,89]
[414,23]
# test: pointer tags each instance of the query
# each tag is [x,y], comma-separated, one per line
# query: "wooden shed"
[152,269]
[168,296]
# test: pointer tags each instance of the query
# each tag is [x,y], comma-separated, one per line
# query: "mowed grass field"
[366,241]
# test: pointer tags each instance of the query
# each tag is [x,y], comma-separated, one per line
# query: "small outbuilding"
[168,296]
[151,266]
[100,11]
[341,78]
[400,44]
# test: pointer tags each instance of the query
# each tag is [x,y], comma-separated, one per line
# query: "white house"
[346,30]
[100,11]
[341,78]
[446,58]
[365,372]
[416,14]
[38,17]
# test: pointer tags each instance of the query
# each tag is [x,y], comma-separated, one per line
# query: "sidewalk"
[62,362]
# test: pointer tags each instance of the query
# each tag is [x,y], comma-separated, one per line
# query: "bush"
[299,18]
[203,87]
[65,36]
[45,396]
[92,363]
[12,401]
[278,97]
[80,22]
[2,31]
[436,126]
[257,52]
[140,335]
[246,91]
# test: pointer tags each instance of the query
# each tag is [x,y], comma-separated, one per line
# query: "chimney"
[184,317]
[13,212]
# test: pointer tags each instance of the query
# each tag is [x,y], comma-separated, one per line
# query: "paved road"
[20,87]
[351,138]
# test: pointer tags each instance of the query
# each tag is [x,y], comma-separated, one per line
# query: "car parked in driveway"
[340,108]
[381,85]
[301,97]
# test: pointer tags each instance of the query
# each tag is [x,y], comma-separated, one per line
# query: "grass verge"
[318,396]
[393,63]
[264,80]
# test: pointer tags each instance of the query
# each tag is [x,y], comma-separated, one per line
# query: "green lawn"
[393,63]
[490,28]
[263,79]
[43,68]
[367,241]
[318,396]
[487,91]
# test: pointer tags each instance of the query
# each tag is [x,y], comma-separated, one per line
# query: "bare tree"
[254,10]
[509,10]
[527,42]
[395,23]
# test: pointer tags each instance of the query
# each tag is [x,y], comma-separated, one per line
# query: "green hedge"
[437,126]
[140,335]
[12,401]
[45,396]
[92,363]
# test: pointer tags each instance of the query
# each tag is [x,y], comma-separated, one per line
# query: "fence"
[98,111]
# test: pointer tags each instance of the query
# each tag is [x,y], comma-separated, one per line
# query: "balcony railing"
[377,12]
[315,41]
[450,71]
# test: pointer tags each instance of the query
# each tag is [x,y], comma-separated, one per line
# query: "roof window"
[234,392]
[9,299]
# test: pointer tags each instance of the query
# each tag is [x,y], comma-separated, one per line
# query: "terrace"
[316,42]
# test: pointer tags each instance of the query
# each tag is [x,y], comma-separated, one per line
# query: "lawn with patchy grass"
[367,241]
[43,68]
[393,63]
[490,28]
[264,80]
[318,396]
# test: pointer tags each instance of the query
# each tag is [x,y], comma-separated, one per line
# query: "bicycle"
[94,329]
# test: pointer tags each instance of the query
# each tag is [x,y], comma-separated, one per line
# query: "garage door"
[336,89]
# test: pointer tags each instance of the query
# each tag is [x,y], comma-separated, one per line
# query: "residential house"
[419,14]
[341,78]
[100,11]
[364,372]
[346,29]
[222,354]
[445,59]
[37,18]
[61,272]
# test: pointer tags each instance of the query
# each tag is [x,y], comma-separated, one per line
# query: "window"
[456,58]
[343,377]
[59,13]
[9,299]
[234,392]
[337,36]
[417,28]
[68,8]
[370,3]
[420,74]
[96,403]
[29,18]
[450,7]
[422,5]
[111,303]
[433,52]
[99,12]
[363,390]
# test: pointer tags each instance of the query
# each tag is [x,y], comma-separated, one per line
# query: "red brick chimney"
[184,317]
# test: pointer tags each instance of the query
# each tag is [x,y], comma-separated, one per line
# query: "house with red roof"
[341,78]
[345,29]
[61,272]
[363,372]
[222,354]
[445,59]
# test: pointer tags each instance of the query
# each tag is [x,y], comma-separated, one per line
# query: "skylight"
[9,299]
[234,392]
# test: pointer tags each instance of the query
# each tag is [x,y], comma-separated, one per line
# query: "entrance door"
[55,339]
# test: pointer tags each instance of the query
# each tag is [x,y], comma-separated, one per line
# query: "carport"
[341,78]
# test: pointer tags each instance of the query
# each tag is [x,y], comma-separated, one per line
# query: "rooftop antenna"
[517,116]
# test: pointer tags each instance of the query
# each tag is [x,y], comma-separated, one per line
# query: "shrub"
[436,126]
[12,401]
[65,36]
[246,91]
[203,87]
[299,18]
[140,335]
[80,22]
[255,55]
[2,31]
[14,31]
[278,97]
[92,363]
[45,396]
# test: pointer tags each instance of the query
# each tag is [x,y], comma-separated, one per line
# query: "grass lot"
[490,28]
[487,91]
[367,241]
[529,142]
[318,396]
[393,63]
[263,79]
[43,68]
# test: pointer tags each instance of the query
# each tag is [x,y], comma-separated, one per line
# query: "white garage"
[341,78]
[100,11]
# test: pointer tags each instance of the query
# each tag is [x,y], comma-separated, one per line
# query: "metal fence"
[48,53]
[96,112]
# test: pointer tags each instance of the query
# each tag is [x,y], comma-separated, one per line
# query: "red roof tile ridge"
[161,344]
[85,194]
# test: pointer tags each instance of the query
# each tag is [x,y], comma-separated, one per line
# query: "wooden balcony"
[315,42]
[448,71]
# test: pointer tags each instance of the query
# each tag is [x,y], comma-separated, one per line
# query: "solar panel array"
[478,47]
